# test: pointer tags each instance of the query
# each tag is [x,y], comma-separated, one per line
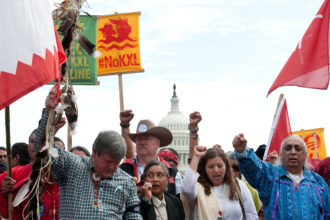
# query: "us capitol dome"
[177,123]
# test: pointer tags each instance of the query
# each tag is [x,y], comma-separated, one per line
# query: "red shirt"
[50,195]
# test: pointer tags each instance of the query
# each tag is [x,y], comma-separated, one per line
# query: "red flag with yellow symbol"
[308,137]
[117,39]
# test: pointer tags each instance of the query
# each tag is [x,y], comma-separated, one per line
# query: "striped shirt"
[116,196]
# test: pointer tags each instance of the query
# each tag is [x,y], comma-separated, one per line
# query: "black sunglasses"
[3,156]
[235,167]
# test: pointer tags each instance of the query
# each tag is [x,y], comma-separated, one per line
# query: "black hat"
[261,151]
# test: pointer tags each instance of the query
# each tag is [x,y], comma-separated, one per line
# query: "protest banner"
[118,41]
[308,136]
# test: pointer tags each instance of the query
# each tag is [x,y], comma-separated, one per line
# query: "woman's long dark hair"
[228,177]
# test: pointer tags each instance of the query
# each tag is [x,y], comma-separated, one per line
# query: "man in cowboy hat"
[148,138]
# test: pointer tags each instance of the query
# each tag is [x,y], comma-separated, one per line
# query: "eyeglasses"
[235,167]
[3,156]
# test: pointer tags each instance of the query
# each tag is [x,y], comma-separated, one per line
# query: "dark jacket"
[174,208]
[129,168]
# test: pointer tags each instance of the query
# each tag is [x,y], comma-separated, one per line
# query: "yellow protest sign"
[117,39]
[308,137]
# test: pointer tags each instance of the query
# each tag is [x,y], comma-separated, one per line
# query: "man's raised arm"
[125,117]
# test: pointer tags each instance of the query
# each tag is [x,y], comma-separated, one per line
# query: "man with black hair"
[3,167]
[3,154]
[80,151]
[20,177]
[20,154]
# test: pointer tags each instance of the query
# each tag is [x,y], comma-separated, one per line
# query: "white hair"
[279,160]
[293,135]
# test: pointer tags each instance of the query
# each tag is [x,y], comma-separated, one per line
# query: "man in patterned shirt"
[92,187]
[287,191]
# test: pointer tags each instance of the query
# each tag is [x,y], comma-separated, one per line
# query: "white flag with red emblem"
[31,52]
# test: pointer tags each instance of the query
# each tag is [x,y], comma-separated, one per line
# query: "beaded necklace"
[295,178]
[96,179]
[52,211]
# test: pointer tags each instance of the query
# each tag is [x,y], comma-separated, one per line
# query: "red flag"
[280,129]
[308,65]
[31,52]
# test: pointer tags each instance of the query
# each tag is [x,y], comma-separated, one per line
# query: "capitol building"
[177,123]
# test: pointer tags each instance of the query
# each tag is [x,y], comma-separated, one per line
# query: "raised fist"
[199,151]
[51,102]
[126,116]
[195,118]
[146,190]
[239,143]
[273,156]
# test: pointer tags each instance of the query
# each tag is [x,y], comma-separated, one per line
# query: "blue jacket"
[280,198]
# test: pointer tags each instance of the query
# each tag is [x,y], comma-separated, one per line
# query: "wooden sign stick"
[121,95]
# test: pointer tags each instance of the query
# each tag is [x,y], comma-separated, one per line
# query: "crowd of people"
[135,176]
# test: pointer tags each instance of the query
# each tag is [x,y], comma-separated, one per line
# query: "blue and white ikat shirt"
[280,197]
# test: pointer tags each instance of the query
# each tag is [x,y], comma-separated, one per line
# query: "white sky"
[223,57]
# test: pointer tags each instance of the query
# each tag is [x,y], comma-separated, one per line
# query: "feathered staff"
[67,13]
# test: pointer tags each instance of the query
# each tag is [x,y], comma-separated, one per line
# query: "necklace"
[53,196]
[295,178]
[96,179]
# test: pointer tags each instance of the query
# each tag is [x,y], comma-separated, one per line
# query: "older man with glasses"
[287,191]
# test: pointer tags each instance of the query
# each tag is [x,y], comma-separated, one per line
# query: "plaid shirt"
[116,196]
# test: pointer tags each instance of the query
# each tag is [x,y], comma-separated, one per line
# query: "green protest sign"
[81,66]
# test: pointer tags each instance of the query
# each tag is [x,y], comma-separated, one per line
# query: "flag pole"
[278,104]
[267,146]
[315,145]
[121,95]
[10,194]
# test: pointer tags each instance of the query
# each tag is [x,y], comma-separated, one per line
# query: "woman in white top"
[210,186]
